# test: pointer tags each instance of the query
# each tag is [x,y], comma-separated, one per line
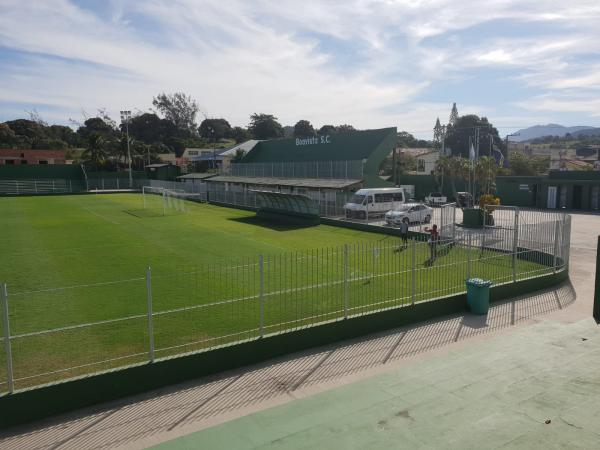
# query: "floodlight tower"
[125,118]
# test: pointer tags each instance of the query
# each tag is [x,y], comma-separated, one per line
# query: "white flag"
[472,152]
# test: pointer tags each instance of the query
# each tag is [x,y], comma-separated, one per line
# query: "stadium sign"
[315,140]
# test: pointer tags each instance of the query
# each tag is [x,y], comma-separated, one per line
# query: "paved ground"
[496,394]
[422,379]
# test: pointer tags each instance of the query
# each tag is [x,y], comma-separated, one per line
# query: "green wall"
[113,175]
[38,172]
[33,404]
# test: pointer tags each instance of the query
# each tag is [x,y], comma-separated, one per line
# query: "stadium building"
[319,167]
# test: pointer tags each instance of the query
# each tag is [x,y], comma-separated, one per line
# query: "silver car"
[409,213]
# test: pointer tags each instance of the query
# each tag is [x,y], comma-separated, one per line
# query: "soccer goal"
[163,200]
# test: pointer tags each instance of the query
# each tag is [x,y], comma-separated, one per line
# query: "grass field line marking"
[103,283]
[81,366]
[235,300]
[75,327]
[99,215]
[187,344]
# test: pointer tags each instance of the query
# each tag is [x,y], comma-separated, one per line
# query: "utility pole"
[125,117]
[507,136]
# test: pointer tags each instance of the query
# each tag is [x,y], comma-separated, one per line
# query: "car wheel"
[427,218]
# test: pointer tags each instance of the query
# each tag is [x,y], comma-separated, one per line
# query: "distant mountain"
[588,132]
[551,129]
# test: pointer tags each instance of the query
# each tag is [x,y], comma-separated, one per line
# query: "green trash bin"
[478,295]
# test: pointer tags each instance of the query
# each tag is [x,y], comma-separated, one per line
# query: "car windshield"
[358,199]
[404,208]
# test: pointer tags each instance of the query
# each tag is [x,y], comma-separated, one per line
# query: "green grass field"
[71,260]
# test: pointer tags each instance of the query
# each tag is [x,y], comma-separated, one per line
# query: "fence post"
[469,244]
[118,183]
[35,185]
[346,299]
[414,271]
[261,269]
[150,316]
[70,186]
[596,310]
[556,237]
[515,246]
[53,186]
[7,347]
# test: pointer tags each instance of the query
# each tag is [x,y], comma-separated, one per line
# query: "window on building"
[23,161]
[9,161]
[193,153]
[420,165]
[22,155]
[42,161]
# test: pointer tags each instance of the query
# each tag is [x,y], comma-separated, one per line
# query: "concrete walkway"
[537,388]
[158,416]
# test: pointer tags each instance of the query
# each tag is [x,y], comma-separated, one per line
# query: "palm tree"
[442,166]
[458,167]
[485,173]
[95,152]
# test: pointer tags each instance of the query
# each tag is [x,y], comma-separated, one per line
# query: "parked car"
[409,213]
[464,200]
[373,202]
[436,199]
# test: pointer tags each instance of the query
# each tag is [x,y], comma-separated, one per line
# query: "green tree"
[95,152]
[214,129]
[239,155]
[327,129]
[8,138]
[407,140]
[520,164]
[344,128]
[460,135]
[179,108]
[240,134]
[303,128]
[151,129]
[265,126]
[485,171]
[438,134]
[453,116]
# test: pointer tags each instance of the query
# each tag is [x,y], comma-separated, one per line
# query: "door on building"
[577,192]
[534,195]
[595,198]
[562,199]
[552,191]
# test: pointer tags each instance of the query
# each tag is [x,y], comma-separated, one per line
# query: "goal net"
[165,201]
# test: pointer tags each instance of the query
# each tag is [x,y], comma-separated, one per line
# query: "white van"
[373,202]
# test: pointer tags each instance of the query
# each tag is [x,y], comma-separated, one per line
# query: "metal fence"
[57,333]
[344,170]
[114,184]
[41,186]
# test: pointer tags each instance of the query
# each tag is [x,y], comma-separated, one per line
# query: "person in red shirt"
[434,237]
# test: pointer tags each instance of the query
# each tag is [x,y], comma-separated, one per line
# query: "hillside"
[551,129]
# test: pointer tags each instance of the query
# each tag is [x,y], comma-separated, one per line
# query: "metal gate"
[448,221]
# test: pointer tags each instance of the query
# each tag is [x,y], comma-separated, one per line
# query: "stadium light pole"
[125,117]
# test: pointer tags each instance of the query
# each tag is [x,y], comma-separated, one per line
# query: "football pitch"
[70,261]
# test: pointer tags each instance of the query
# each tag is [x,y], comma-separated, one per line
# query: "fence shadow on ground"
[275,225]
[200,402]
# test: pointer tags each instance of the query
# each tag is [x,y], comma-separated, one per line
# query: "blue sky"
[363,62]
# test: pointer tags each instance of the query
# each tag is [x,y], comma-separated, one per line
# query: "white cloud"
[240,57]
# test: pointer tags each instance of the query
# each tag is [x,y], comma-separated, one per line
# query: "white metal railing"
[346,170]
[168,312]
